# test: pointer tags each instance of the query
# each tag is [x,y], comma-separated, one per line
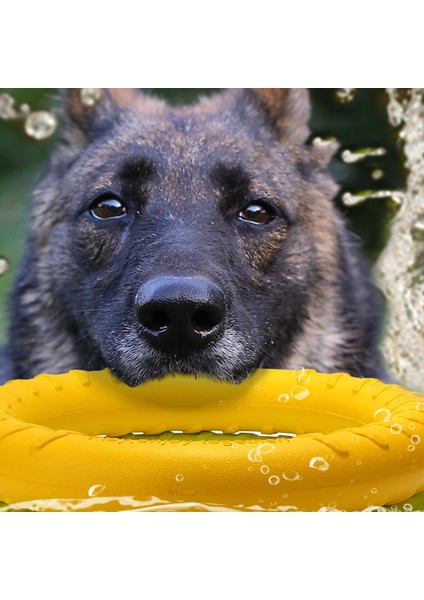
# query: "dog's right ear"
[87,112]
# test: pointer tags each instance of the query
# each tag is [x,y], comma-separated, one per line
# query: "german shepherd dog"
[196,239]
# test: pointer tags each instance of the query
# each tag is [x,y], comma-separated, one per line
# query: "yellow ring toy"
[359,442]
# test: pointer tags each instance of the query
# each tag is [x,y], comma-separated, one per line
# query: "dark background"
[361,123]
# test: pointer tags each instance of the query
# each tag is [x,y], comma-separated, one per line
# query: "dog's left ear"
[86,111]
[287,111]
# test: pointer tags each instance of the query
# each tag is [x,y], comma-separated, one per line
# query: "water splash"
[354,156]
[350,199]
[400,268]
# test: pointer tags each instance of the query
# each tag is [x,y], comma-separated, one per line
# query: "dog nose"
[180,314]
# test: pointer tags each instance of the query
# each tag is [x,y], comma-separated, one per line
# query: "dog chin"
[136,376]
[227,361]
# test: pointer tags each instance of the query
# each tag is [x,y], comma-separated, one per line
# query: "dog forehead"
[185,144]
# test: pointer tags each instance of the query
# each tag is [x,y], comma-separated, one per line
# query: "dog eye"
[259,213]
[108,208]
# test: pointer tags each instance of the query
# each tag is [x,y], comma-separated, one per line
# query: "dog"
[199,239]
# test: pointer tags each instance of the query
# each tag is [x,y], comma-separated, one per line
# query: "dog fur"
[297,291]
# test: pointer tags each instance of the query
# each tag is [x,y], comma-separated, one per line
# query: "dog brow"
[230,177]
[136,168]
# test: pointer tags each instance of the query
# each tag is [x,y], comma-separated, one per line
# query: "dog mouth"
[134,370]
[134,376]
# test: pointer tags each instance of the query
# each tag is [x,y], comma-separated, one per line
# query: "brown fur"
[297,293]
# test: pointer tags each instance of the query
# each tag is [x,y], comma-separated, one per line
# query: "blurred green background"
[357,124]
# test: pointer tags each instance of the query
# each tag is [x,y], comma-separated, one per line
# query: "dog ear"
[87,111]
[287,111]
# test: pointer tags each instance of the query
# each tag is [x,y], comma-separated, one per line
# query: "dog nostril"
[154,320]
[204,320]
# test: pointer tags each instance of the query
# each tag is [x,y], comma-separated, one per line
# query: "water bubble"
[374,491]
[377,174]
[396,428]
[24,110]
[179,477]
[382,414]
[354,438]
[299,392]
[7,107]
[319,463]
[264,470]
[40,125]
[345,94]
[274,480]
[291,476]
[420,406]
[4,265]
[303,379]
[411,426]
[96,490]
[411,448]
[359,462]
[283,398]
[415,439]
[407,507]
[256,454]
[90,96]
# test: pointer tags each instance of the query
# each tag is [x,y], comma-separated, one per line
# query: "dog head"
[191,239]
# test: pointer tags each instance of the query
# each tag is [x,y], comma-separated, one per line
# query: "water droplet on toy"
[274,480]
[411,426]
[255,455]
[40,125]
[359,462]
[90,96]
[291,476]
[96,490]
[319,463]
[283,398]
[382,414]
[264,470]
[407,507]
[415,439]
[299,392]
[396,428]
[355,438]
[4,265]
[411,448]
[374,491]
[179,477]
[420,406]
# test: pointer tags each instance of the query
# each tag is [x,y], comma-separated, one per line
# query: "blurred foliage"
[356,124]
